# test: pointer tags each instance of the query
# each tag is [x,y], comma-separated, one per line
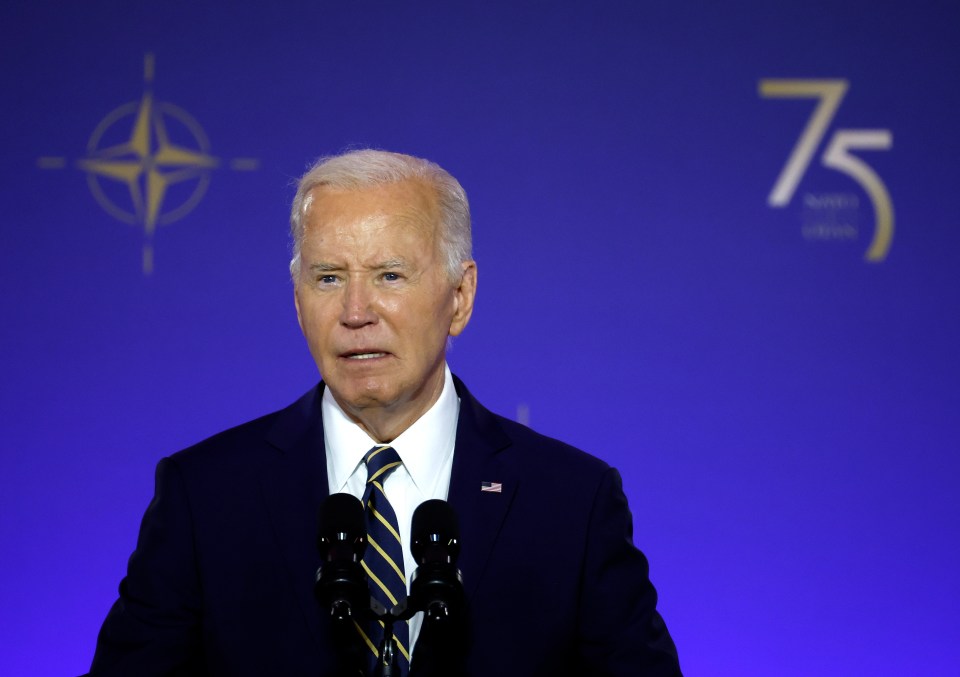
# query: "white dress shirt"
[426,449]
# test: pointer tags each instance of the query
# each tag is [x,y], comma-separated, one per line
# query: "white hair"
[369,168]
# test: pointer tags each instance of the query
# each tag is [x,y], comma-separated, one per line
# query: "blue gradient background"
[785,415]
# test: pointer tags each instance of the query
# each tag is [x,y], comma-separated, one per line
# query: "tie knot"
[380,462]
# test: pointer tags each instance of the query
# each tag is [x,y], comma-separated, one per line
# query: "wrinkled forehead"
[409,202]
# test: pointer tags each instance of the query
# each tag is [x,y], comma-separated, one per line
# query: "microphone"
[342,539]
[437,585]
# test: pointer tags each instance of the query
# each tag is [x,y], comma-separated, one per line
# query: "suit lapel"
[480,456]
[294,483]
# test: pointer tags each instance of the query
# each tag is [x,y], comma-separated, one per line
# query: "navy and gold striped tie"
[383,560]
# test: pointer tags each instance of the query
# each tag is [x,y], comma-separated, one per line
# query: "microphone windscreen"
[434,522]
[341,513]
[434,517]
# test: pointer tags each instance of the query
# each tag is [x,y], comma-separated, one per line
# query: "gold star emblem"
[146,162]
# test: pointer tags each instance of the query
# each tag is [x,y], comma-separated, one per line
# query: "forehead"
[411,203]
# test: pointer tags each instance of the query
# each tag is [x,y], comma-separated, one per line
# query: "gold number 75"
[837,156]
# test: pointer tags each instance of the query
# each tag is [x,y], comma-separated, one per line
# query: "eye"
[391,277]
[327,279]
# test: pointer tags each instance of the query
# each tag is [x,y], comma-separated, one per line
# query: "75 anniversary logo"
[838,153]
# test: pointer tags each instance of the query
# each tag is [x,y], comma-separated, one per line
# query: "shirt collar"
[422,447]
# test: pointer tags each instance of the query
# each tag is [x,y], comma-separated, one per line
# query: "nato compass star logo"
[148,163]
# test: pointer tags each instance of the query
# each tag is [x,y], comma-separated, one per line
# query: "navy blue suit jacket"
[221,581]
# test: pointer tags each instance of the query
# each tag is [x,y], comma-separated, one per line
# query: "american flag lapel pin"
[491,487]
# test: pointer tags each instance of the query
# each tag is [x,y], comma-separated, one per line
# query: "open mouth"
[363,355]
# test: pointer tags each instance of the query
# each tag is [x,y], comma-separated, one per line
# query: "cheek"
[393,306]
[316,309]
[315,324]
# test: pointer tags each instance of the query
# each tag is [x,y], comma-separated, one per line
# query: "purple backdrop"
[784,411]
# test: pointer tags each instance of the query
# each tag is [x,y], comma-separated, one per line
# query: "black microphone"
[437,586]
[342,539]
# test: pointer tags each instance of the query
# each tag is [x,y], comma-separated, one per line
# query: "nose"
[358,304]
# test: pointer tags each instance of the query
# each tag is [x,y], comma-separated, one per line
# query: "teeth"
[366,356]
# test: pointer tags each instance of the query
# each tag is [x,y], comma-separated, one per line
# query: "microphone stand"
[387,663]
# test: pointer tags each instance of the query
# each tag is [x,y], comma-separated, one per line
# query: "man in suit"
[221,581]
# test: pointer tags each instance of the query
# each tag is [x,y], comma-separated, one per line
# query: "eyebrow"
[391,263]
[324,267]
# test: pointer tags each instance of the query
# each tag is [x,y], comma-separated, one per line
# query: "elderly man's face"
[375,302]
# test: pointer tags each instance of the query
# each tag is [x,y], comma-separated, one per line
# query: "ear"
[463,296]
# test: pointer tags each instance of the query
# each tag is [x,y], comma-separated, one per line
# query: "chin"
[362,395]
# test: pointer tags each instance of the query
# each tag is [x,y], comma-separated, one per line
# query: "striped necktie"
[383,560]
